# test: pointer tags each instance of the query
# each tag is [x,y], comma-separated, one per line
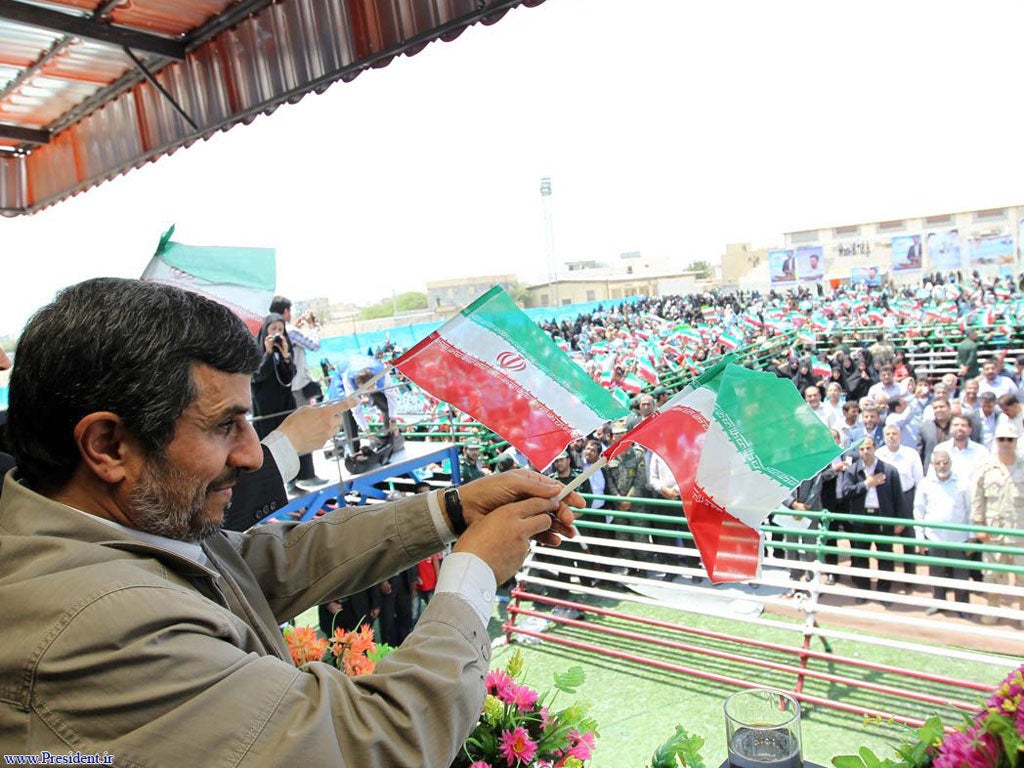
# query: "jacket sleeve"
[851,485]
[299,565]
[181,689]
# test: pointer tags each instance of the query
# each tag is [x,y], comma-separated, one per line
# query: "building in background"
[446,297]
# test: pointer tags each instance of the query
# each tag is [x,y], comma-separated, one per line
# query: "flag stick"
[581,478]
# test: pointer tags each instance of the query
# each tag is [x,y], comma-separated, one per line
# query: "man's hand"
[501,538]
[309,427]
[484,496]
[875,480]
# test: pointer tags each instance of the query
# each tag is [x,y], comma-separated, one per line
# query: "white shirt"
[659,474]
[891,391]
[940,501]
[966,462]
[906,461]
[871,498]
[596,486]
[1003,385]
[826,415]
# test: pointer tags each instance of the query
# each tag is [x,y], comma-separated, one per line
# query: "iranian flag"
[646,370]
[494,363]
[737,442]
[242,279]
[631,383]
[820,368]
[730,341]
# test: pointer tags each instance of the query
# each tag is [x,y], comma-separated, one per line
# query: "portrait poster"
[810,262]
[782,266]
[944,250]
[907,253]
[989,250]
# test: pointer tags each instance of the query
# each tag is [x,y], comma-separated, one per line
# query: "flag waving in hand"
[737,442]
[493,362]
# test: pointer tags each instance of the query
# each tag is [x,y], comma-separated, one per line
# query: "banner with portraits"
[782,266]
[810,262]
[991,250]
[907,253]
[945,250]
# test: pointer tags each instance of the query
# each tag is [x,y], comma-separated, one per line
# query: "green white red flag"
[493,362]
[737,442]
[242,279]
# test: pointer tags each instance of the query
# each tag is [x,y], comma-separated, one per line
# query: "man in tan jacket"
[134,627]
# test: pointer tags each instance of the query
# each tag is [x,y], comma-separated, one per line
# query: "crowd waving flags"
[737,441]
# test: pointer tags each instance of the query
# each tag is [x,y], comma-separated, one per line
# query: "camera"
[276,338]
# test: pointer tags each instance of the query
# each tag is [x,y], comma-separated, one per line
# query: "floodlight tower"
[549,238]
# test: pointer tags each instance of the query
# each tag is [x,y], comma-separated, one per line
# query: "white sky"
[667,127]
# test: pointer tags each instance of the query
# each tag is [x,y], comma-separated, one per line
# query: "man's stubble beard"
[168,502]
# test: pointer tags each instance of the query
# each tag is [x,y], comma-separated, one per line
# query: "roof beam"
[35,16]
[27,135]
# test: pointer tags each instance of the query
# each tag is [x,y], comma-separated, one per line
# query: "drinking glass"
[762,729]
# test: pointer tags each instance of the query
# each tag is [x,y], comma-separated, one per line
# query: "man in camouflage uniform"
[629,471]
[998,502]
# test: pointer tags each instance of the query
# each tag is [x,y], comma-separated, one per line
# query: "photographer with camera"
[272,382]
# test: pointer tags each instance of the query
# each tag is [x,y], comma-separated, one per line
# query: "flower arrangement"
[354,653]
[519,727]
[993,738]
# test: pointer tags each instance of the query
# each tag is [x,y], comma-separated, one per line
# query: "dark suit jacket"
[256,495]
[890,493]
[927,439]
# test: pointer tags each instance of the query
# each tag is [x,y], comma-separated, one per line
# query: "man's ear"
[104,445]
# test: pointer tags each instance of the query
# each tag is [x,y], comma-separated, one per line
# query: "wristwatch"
[453,505]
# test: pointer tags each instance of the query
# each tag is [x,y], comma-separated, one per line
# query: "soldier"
[469,462]
[998,502]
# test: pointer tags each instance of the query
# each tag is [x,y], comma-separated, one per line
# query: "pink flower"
[582,746]
[480,764]
[974,749]
[516,747]
[522,696]
[497,683]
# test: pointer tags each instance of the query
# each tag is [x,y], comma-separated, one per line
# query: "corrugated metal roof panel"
[276,55]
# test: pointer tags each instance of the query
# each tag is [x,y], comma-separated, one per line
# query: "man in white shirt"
[812,396]
[886,385]
[993,381]
[834,403]
[907,462]
[941,498]
[967,456]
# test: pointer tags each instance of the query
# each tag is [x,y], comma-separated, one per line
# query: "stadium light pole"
[549,237]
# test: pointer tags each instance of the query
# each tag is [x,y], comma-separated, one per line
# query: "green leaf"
[680,749]
[570,680]
[515,665]
[847,761]
[870,759]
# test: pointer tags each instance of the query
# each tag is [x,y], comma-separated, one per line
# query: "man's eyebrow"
[228,412]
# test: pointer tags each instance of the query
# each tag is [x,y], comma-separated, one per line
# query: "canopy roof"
[90,89]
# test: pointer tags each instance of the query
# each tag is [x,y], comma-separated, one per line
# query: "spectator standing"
[967,455]
[942,498]
[967,355]
[934,430]
[993,381]
[272,399]
[998,502]
[907,462]
[812,396]
[305,390]
[470,466]
[984,420]
[887,386]
[872,488]
[969,401]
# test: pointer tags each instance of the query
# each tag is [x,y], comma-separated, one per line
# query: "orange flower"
[304,644]
[363,641]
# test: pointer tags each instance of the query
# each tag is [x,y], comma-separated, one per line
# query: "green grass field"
[638,706]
